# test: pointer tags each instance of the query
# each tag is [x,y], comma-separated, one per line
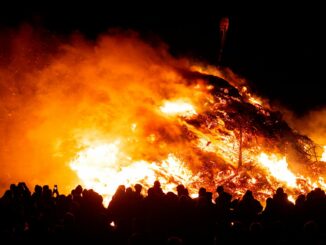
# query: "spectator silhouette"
[248,208]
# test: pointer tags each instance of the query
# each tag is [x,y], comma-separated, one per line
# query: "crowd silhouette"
[132,218]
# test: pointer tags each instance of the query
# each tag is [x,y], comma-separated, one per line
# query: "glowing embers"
[103,167]
[178,108]
[255,101]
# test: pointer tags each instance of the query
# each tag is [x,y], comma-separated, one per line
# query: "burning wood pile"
[253,145]
[232,140]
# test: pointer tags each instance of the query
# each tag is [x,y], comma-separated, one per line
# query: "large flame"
[119,111]
[103,168]
[278,168]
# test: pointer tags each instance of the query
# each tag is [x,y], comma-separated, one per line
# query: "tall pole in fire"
[224,26]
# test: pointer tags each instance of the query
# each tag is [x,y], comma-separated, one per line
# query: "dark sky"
[279,49]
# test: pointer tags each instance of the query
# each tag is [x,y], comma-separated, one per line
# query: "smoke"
[58,94]
[311,124]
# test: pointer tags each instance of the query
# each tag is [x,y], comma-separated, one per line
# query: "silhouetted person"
[223,205]
[180,190]
[248,208]
[157,190]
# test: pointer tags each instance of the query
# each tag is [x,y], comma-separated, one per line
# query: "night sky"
[279,49]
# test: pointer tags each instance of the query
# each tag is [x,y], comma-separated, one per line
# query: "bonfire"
[119,111]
